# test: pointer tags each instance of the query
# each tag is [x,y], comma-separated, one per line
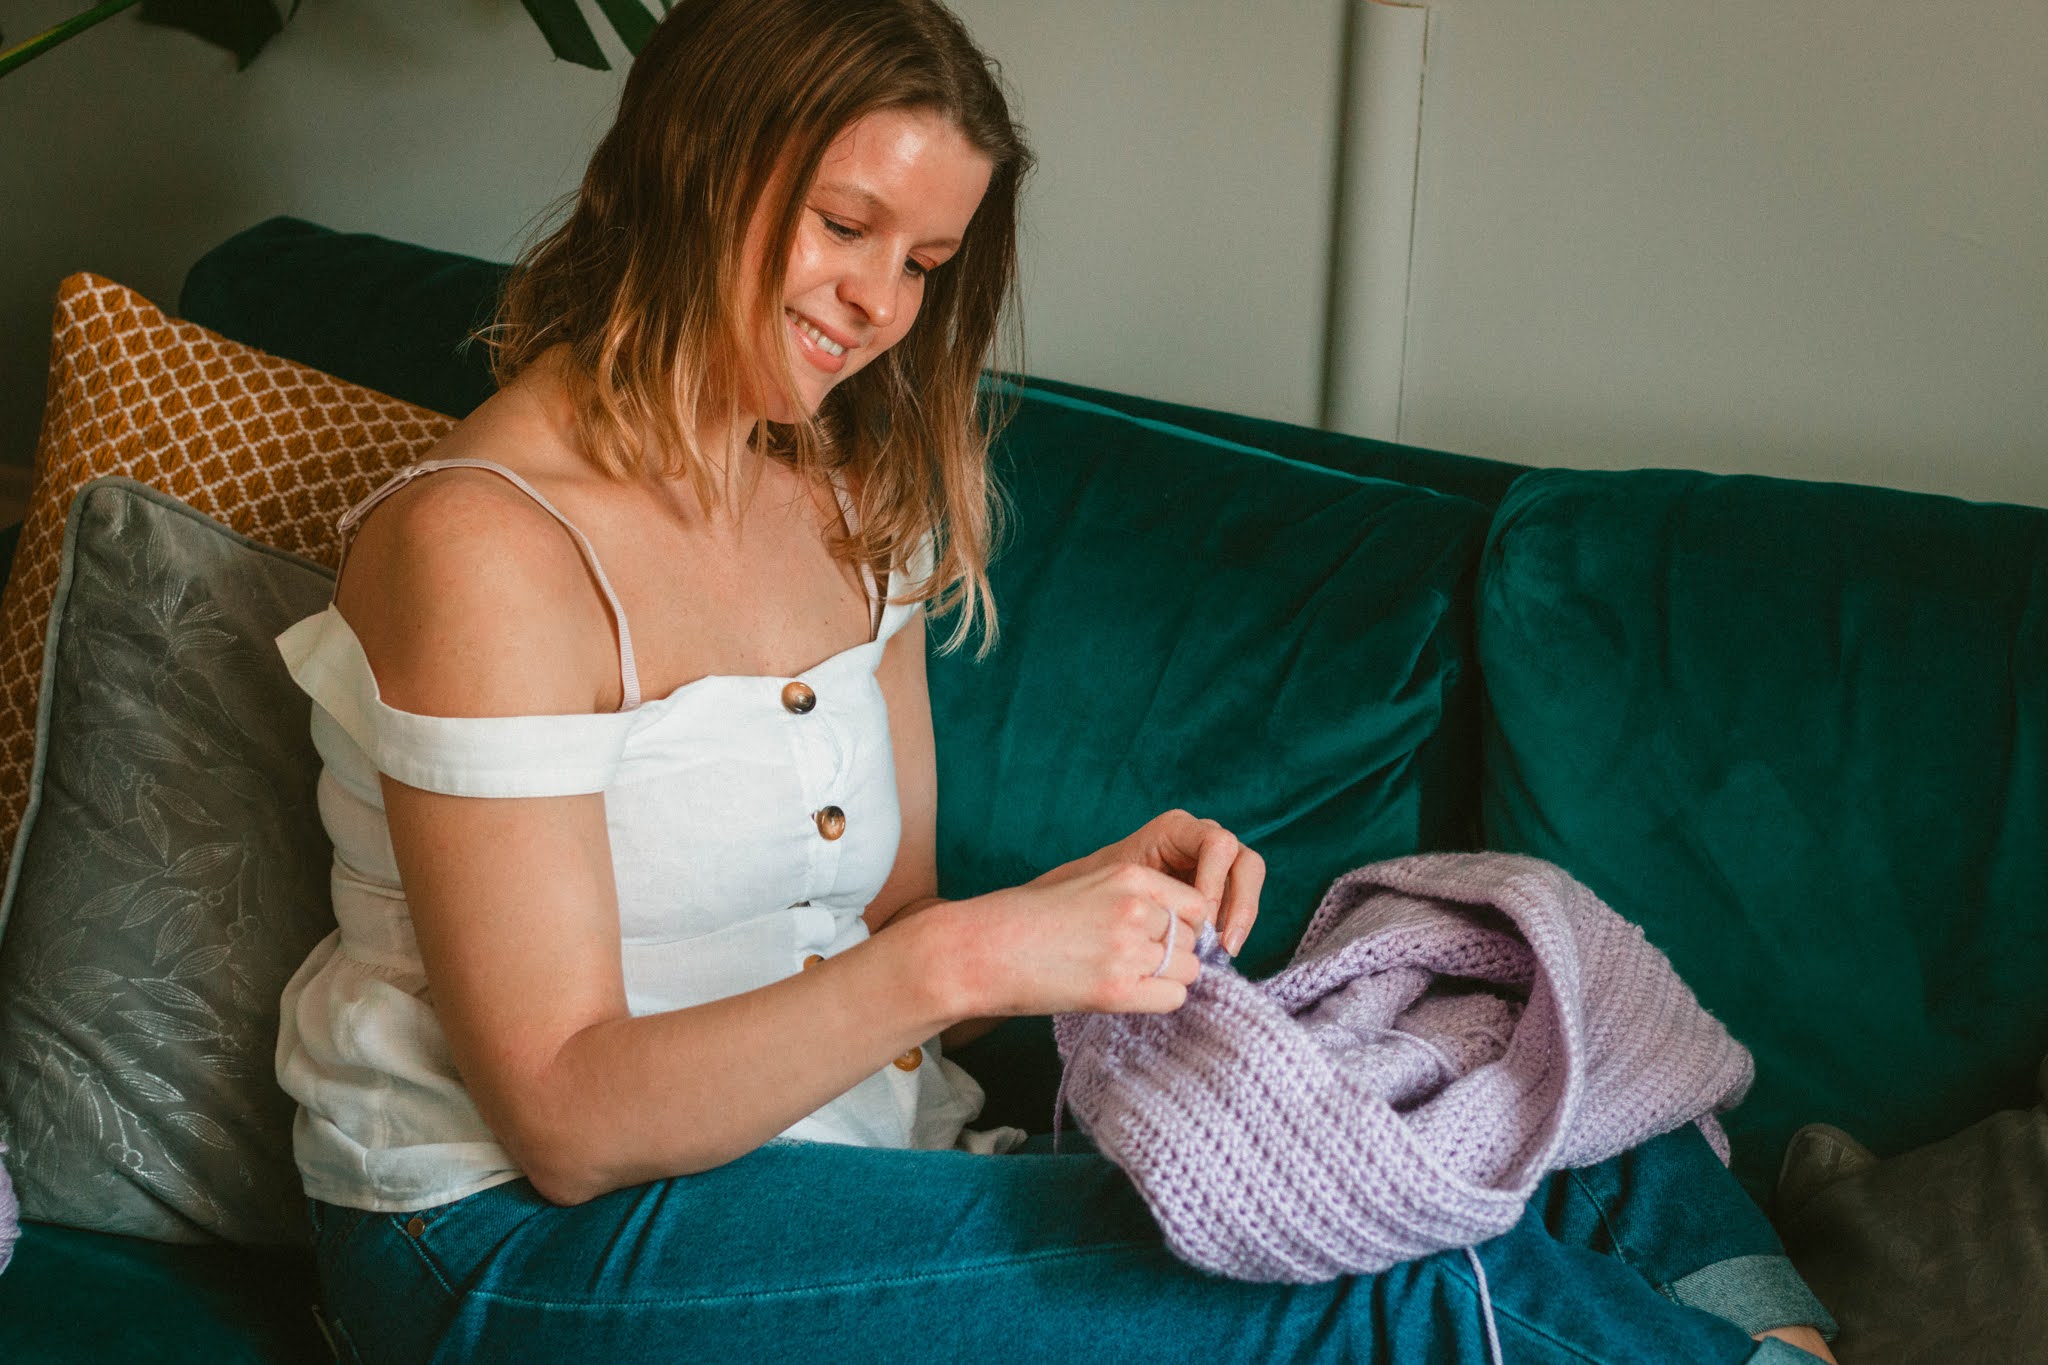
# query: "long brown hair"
[643,284]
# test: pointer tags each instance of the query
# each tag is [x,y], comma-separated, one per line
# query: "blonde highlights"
[725,118]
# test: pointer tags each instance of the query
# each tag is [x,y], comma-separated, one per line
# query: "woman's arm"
[469,601]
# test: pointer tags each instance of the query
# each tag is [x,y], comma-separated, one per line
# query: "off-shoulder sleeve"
[917,569]
[564,755]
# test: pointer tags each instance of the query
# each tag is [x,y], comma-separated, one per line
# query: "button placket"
[818,746]
[799,699]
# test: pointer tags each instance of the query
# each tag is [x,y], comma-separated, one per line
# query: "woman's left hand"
[1203,854]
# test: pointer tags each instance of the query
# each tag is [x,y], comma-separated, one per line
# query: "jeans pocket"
[450,1240]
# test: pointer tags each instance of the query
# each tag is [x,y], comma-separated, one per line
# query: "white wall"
[1808,237]
[1805,238]
[1176,234]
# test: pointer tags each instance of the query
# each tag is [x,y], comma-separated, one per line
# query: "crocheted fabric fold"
[1451,1029]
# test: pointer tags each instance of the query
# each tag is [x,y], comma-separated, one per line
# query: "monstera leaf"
[240,26]
[563,25]
[244,26]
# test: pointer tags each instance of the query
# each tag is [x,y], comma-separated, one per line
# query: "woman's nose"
[872,289]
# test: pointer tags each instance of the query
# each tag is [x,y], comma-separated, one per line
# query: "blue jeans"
[809,1251]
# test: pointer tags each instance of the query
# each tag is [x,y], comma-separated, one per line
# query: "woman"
[633,1026]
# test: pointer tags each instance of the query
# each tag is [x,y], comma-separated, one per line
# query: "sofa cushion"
[389,315]
[1483,481]
[171,876]
[273,448]
[1939,1254]
[1799,733]
[1188,622]
[90,1296]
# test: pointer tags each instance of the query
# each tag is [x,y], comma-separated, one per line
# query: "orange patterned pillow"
[274,449]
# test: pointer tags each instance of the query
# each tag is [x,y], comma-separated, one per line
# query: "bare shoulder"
[471,600]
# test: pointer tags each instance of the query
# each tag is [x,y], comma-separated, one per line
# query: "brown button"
[813,960]
[910,1060]
[415,1226]
[798,699]
[831,822]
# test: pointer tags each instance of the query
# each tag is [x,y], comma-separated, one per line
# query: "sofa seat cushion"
[92,1296]
[1799,733]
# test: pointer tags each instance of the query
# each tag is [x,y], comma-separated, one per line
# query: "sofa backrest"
[388,315]
[1799,733]
[393,316]
[1794,730]
[1466,476]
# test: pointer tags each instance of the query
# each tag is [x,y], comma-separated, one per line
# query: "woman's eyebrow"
[876,207]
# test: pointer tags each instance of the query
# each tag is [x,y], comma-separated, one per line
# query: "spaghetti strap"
[629,673]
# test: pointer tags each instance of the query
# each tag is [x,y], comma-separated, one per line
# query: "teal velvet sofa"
[1798,732]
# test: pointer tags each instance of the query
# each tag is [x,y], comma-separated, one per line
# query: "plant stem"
[57,33]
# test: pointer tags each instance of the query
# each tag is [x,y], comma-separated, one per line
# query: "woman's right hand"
[1086,937]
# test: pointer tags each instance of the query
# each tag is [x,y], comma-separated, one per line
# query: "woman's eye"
[914,269]
[840,230]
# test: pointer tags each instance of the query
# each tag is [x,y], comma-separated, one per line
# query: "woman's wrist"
[939,957]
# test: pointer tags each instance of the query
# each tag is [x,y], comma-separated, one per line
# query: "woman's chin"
[782,412]
[783,415]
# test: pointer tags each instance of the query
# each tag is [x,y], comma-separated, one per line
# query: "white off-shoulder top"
[751,820]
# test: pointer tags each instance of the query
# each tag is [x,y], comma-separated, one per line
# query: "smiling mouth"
[814,336]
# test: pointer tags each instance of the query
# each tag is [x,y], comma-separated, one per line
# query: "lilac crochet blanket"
[1452,1028]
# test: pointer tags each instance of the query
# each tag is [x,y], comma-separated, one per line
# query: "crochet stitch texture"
[1452,1028]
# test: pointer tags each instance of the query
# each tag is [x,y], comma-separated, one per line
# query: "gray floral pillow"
[170,875]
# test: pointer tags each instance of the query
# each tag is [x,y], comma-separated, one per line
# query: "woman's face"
[891,202]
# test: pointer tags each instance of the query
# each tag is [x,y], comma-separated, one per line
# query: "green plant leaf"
[562,24]
[240,26]
[24,52]
[631,20]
